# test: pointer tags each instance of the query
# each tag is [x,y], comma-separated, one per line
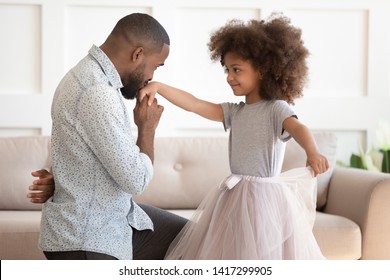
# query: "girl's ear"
[260,74]
[137,54]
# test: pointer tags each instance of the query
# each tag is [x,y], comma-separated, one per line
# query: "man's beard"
[134,83]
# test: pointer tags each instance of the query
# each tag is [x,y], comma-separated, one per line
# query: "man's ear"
[137,54]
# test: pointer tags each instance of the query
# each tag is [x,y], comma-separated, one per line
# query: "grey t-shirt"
[257,139]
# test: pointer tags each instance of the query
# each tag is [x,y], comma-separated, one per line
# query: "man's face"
[135,81]
[140,77]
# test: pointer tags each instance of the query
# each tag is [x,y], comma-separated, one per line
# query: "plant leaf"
[386,161]
[370,165]
[356,161]
[376,158]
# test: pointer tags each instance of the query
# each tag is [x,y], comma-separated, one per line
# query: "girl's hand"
[318,163]
[305,139]
[150,90]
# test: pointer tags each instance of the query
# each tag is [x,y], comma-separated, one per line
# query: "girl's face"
[242,77]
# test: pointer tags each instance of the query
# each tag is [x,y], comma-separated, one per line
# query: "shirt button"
[178,167]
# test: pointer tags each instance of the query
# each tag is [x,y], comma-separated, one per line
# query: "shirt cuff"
[148,166]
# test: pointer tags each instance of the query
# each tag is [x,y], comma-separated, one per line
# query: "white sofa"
[352,222]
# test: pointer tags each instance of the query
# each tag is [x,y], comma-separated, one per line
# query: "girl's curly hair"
[274,47]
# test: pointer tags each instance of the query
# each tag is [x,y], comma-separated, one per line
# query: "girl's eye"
[234,70]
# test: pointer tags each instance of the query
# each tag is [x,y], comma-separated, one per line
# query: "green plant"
[376,159]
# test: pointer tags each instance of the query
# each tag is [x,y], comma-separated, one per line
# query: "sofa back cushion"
[185,170]
[19,157]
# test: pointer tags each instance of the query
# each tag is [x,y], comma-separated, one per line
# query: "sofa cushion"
[343,234]
[19,157]
[295,156]
[19,232]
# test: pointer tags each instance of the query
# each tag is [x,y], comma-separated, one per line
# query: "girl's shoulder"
[264,104]
[279,103]
[272,104]
[281,107]
[232,106]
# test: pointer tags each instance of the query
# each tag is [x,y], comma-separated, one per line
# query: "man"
[97,167]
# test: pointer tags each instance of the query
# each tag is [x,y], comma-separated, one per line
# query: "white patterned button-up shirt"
[96,165]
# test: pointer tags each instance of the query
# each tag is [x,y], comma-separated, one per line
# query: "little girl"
[256,213]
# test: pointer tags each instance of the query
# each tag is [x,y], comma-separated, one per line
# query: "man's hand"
[146,118]
[43,188]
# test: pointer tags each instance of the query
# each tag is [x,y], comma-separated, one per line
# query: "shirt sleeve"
[228,110]
[104,124]
[282,111]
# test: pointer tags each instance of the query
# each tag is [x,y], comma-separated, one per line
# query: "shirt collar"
[107,66]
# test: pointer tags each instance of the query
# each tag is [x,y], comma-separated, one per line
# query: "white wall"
[348,92]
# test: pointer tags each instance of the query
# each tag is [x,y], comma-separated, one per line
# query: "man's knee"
[163,218]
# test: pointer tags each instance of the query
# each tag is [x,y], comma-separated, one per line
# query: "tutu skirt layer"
[253,218]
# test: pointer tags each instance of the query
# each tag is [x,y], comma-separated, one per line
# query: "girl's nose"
[229,77]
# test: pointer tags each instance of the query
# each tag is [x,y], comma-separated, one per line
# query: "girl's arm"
[304,138]
[183,100]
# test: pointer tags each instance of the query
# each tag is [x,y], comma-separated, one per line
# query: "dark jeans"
[147,244]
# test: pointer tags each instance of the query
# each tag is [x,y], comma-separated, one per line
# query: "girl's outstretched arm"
[305,139]
[183,99]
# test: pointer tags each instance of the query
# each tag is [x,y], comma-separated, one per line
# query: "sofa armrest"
[363,197]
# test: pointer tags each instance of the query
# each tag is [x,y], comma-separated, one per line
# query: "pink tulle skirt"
[253,218]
